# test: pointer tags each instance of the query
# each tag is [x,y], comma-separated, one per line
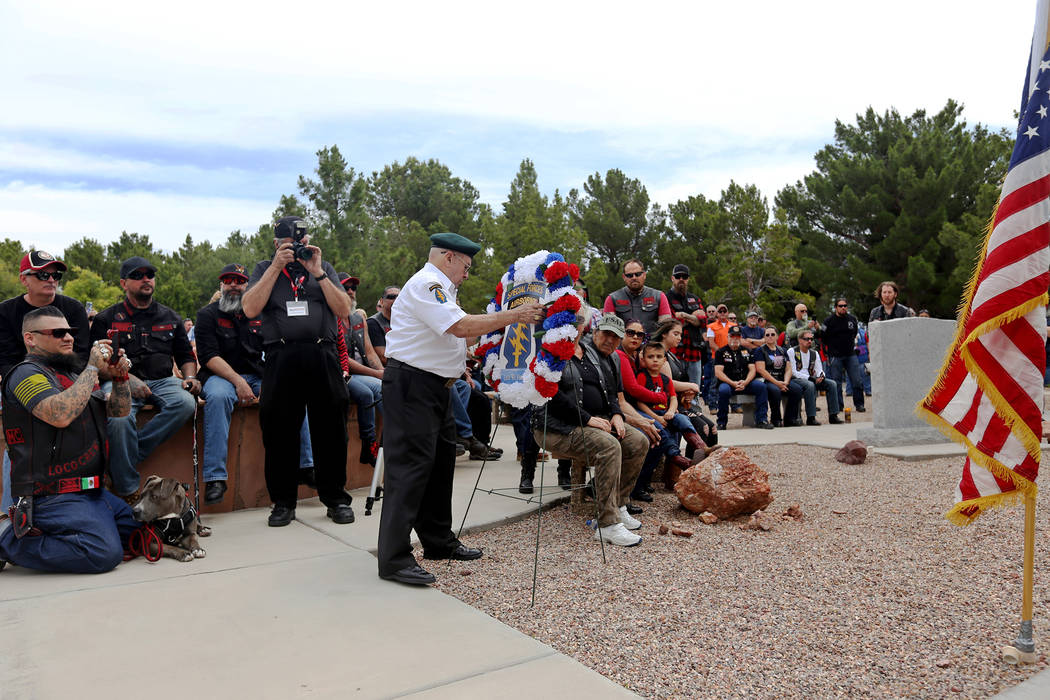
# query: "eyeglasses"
[232,279]
[57,332]
[681,277]
[139,274]
[635,334]
[391,297]
[467,264]
[45,275]
[632,275]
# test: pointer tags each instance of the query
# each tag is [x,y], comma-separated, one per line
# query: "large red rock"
[727,483]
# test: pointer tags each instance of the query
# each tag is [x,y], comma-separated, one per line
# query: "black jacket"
[152,337]
[233,337]
[566,411]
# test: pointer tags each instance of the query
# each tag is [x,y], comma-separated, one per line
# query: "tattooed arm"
[119,403]
[61,409]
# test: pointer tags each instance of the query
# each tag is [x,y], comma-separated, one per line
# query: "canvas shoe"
[629,522]
[618,535]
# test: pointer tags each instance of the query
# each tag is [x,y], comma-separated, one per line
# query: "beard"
[142,298]
[230,303]
[63,362]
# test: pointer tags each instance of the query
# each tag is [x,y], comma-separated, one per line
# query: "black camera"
[295,228]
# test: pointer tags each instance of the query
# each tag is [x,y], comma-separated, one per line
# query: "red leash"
[140,541]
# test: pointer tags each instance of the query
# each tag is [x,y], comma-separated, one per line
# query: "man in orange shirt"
[717,337]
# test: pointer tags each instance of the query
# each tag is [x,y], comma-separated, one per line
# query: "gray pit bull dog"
[165,506]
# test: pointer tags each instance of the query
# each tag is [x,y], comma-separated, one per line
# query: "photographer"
[299,299]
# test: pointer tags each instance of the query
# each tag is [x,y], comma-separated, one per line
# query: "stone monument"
[906,357]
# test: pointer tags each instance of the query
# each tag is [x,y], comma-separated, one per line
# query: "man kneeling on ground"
[586,420]
[55,425]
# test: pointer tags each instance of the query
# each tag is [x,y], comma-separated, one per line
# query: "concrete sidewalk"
[300,612]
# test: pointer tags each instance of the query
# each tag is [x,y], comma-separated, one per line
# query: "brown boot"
[696,444]
[673,468]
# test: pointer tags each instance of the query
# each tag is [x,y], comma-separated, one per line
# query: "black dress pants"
[419,453]
[298,376]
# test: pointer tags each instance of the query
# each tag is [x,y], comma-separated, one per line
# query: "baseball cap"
[347,279]
[734,330]
[135,262]
[37,259]
[611,323]
[680,269]
[750,314]
[235,269]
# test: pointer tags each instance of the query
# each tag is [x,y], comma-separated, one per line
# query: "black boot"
[565,474]
[528,472]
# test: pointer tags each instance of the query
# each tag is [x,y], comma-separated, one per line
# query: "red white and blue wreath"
[522,373]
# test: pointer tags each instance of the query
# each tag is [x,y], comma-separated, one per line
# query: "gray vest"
[645,307]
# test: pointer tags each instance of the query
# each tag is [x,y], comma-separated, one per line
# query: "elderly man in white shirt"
[808,374]
[426,353]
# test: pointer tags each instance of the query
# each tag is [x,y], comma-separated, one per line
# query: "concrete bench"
[747,403]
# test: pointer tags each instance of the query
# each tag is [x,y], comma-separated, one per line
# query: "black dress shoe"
[281,516]
[632,509]
[812,421]
[460,553]
[795,423]
[214,491]
[642,496]
[341,514]
[414,575]
[778,424]
[834,419]
[764,425]
[860,409]
[720,425]
[525,485]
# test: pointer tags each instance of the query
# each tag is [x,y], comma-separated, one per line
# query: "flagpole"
[1023,648]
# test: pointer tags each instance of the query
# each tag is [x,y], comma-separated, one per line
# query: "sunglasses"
[635,334]
[632,275]
[807,338]
[45,275]
[232,279]
[57,332]
[771,334]
[732,318]
[391,297]
[723,311]
[842,306]
[139,274]
[681,277]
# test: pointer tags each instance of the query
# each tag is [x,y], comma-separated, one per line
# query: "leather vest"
[45,458]
[645,307]
[355,337]
[812,361]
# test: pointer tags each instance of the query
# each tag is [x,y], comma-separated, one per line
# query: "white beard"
[230,303]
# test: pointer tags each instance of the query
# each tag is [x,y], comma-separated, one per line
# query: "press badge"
[297,308]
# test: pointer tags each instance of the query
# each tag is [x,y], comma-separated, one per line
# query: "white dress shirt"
[424,310]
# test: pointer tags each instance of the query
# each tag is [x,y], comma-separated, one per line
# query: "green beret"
[456,242]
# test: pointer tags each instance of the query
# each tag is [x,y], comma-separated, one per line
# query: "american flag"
[990,392]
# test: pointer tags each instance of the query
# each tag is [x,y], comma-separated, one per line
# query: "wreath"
[558,335]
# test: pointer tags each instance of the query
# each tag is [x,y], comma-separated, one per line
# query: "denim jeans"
[220,398]
[709,385]
[367,393]
[809,393]
[129,446]
[774,395]
[695,372]
[460,397]
[756,388]
[82,533]
[6,502]
[521,419]
[837,367]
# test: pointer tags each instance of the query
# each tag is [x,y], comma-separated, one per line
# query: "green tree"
[614,214]
[128,245]
[88,286]
[693,239]
[85,254]
[425,192]
[11,254]
[897,198]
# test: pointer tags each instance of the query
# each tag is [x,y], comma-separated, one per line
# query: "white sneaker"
[617,534]
[629,522]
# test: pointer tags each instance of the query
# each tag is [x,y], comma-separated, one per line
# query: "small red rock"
[681,533]
[760,520]
[465,572]
[794,512]
[708,518]
[944,663]
[854,452]
[664,529]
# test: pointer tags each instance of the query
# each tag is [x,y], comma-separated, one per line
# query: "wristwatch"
[322,277]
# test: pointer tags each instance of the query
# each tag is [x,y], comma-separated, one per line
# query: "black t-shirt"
[13,310]
[233,337]
[734,362]
[776,360]
[377,329]
[295,284]
[151,338]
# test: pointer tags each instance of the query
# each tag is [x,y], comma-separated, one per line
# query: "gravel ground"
[871,594]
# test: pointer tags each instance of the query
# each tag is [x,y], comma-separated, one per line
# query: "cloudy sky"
[194,117]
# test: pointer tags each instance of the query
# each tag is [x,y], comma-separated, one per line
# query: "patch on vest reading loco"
[439,293]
